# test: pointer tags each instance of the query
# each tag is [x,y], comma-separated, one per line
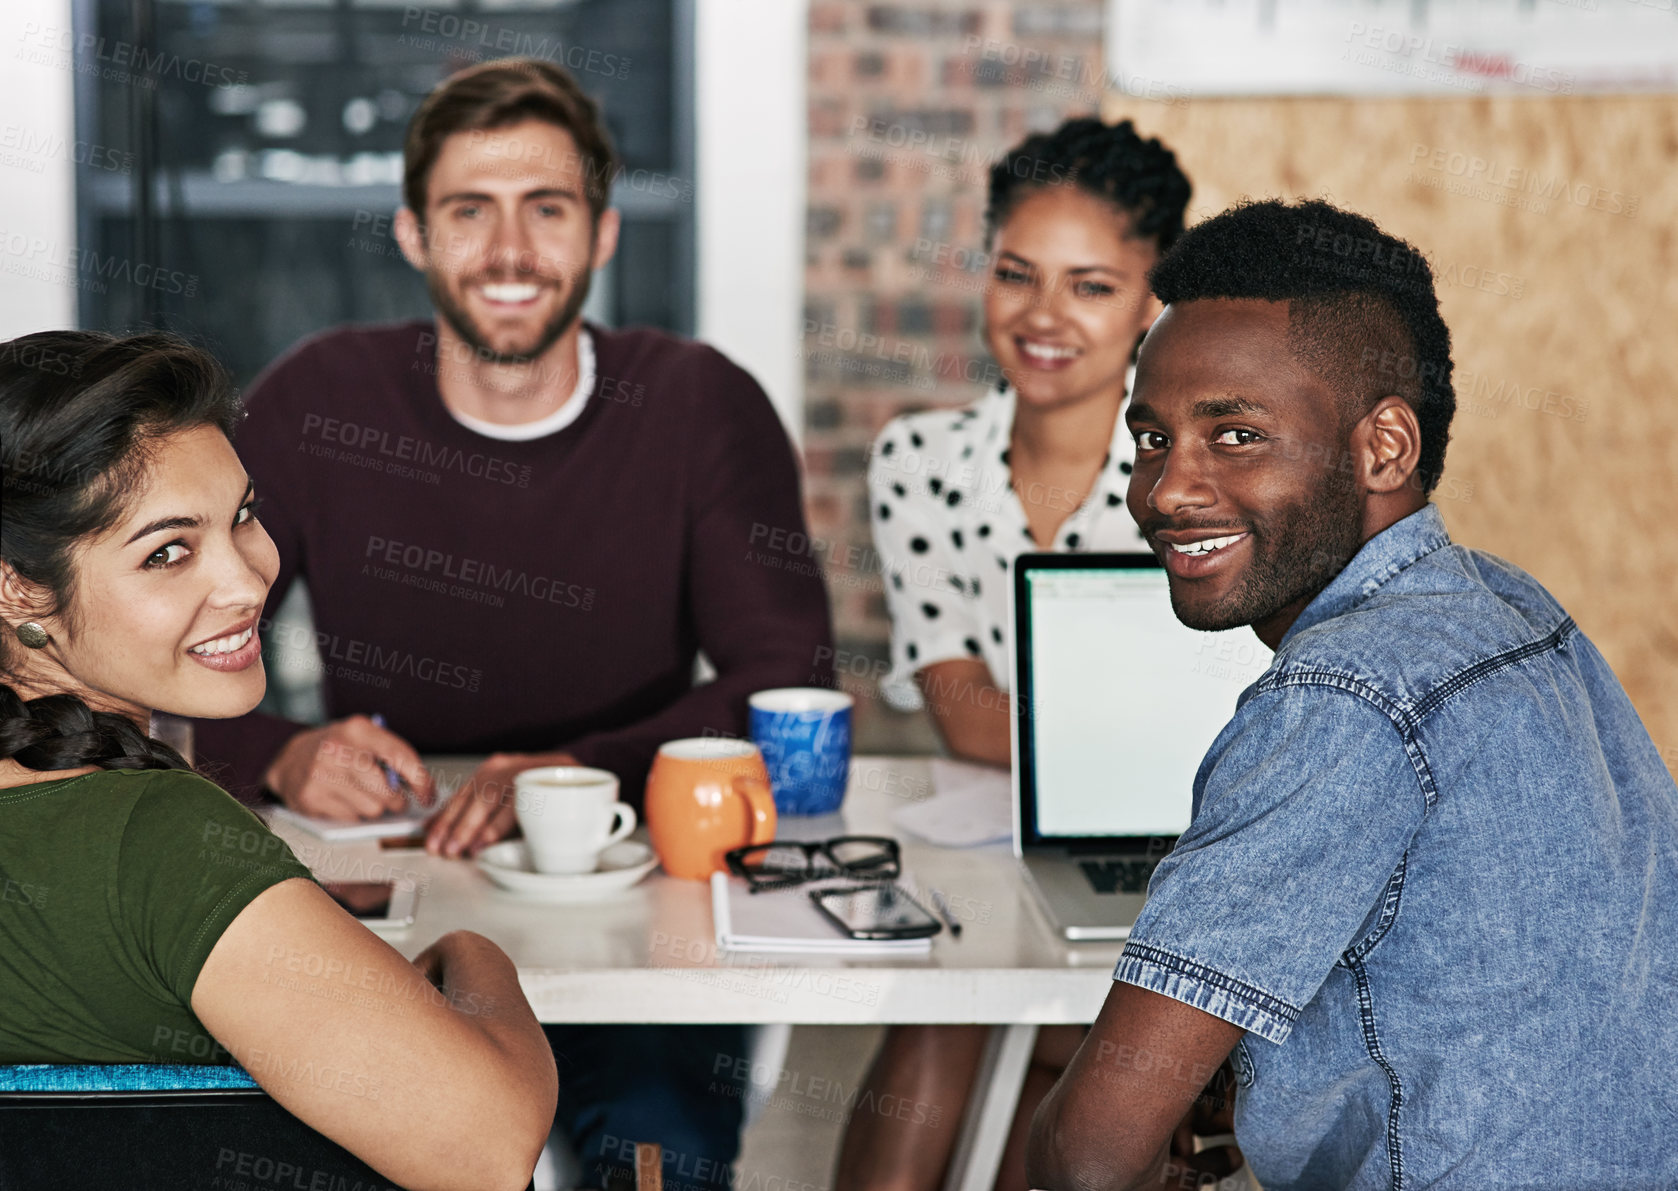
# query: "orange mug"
[706,795]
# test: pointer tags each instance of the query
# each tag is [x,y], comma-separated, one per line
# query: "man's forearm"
[1059,1158]
[1109,1121]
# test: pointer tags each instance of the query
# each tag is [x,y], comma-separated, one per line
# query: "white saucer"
[621,865]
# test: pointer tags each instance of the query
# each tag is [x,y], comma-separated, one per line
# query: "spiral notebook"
[785,920]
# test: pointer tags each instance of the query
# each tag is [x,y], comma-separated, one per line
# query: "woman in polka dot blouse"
[1076,218]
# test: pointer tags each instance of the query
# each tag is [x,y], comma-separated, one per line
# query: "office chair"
[159,1127]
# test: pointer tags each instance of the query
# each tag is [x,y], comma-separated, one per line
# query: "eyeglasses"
[785,863]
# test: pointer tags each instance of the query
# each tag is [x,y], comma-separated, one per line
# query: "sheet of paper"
[405,823]
[970,805]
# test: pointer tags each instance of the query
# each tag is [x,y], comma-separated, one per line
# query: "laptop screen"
[1118,701]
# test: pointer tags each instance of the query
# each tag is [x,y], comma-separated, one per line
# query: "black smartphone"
[379,905]
[875,911]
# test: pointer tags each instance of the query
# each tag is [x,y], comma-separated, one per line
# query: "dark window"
[273,155]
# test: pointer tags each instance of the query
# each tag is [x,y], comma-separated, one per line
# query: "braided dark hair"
[1110,161]
[80,412]
[1362,310]
[62,732]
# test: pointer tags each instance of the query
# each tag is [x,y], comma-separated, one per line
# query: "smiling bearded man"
[1427,902]
[519,529]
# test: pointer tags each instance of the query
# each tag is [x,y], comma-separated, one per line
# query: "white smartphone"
[377,905]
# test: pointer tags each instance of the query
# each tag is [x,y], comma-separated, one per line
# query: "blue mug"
[804,734]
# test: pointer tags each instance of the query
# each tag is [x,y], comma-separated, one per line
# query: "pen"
[943,909]
[393,781]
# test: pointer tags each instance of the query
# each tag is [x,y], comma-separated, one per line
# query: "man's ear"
[411,237]
[1389,439]
[606,237]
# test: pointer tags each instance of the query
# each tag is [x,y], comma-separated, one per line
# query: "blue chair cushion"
[120,1077]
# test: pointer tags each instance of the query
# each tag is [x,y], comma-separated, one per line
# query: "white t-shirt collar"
[569,411]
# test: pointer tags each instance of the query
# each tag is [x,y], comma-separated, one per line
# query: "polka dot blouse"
[948,525]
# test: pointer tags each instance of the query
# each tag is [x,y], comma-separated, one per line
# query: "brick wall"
[909,106]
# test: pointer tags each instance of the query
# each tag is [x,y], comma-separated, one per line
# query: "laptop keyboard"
[1118,876]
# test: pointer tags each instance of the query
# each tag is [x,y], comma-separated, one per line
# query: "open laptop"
[1116,703]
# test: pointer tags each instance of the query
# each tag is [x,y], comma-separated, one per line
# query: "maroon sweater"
[529,596]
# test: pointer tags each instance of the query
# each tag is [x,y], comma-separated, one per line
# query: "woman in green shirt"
[145,916]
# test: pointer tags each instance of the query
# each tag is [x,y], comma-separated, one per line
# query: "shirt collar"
[1382,557]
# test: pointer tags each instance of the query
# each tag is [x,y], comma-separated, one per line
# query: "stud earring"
[32,635]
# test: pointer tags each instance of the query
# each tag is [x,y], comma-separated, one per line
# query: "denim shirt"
[1433,873]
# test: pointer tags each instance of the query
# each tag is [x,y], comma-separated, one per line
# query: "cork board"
[1552,226]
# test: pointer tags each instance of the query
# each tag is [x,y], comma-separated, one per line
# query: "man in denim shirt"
[1429,898]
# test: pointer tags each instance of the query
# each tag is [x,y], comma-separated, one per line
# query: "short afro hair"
[1110,161]
[1362,311]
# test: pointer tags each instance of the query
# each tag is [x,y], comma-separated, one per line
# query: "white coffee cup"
[569,815]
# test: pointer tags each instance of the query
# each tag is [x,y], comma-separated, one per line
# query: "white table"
[649,954]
